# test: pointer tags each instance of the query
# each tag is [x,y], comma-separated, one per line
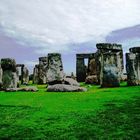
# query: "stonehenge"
[105,68]
[133,66]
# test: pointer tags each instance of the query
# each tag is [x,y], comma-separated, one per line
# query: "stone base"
[92,79]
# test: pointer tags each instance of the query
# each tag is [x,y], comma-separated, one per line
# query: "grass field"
[98,114]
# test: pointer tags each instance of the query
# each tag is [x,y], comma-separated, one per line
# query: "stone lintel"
[135,50]
[109,46]
[20,65]
[85,55]
[54,54]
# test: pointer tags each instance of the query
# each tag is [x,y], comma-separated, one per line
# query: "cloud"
[124,34]
[52,25]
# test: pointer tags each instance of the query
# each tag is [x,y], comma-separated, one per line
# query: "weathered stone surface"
[65,88]
[135,50]
[133,68]
[8,64]
[92,79]
[109,46]
[21,66]
[70,81]
[42,70]
[110,76]
[11,89]
[1,73]
[17,73]
[9,78]
[55,72]
[35,75]
[43,61]
[28,89]
[92,67]
[124,77]
[111,56]
[25,76]
[81,70]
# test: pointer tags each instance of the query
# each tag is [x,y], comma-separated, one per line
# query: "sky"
[33,28]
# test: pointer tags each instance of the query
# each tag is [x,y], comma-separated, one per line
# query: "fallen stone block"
[65,88]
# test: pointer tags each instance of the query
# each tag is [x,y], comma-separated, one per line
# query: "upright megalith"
[81,69]
[9,78]
[35,75]
[42,70]
[133,66]
[92,67]
[1,73]
[25,76]
[110,64]
[21,66]
[17,73]
[92,77]
[55,72]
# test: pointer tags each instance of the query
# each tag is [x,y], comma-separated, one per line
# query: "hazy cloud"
[51,25]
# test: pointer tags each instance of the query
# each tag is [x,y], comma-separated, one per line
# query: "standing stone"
[1,73]
[110,64]
[133,66]
[21,67]
[25,75]
[35,75]
[42,70]
[9,78]
[81,69]
[17,73]
[92,72]
[92,67]
[55,72]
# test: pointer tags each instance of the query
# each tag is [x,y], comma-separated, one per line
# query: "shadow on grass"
[116,122]
[15,106]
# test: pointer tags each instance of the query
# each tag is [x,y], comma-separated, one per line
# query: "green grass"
[99,113]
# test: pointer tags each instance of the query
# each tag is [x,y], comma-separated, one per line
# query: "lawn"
[98,114]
